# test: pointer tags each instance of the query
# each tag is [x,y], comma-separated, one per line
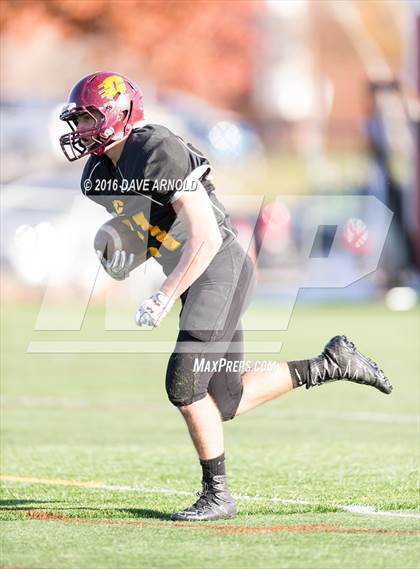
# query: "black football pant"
[211,334]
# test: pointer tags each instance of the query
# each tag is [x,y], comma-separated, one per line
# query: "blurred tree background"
[204,47]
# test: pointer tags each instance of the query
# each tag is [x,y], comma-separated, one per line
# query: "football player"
[161,188]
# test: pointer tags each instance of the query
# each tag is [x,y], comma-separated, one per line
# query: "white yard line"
[347,416]
[352,508]
[68,403]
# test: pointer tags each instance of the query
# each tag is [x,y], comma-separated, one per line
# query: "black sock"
[300,372]
[213,467]
[311,372]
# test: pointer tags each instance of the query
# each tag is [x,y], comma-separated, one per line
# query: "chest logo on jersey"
[118,206]
[112,86]
[162,236]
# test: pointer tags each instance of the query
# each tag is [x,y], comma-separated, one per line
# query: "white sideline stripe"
[371,511]
[352,508]
[174,492]
[139,347]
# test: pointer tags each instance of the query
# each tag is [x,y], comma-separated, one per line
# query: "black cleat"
[214,503]
[341,360]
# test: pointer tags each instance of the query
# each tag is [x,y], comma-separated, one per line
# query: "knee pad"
[181,380]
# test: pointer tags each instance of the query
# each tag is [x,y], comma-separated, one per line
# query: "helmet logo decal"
[112,86]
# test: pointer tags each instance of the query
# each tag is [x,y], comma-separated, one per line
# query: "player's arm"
[195,212]
[170,160]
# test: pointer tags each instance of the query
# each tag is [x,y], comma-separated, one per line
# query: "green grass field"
[94,458]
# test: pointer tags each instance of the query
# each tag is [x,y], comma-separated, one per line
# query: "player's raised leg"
[340,360]
[262,386]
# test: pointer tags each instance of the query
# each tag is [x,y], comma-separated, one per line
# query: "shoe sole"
[202,519]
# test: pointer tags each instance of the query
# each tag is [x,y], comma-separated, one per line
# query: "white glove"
[119,265]
[152,311]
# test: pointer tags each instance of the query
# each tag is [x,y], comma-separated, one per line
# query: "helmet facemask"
[76,144]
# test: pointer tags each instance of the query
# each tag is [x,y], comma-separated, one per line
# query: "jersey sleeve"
[167,167]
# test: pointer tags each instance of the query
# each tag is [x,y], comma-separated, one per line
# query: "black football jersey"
[154,167]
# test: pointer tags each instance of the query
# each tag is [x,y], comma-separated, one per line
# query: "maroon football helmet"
[115,104]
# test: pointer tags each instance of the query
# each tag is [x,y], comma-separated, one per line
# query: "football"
[117,234]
